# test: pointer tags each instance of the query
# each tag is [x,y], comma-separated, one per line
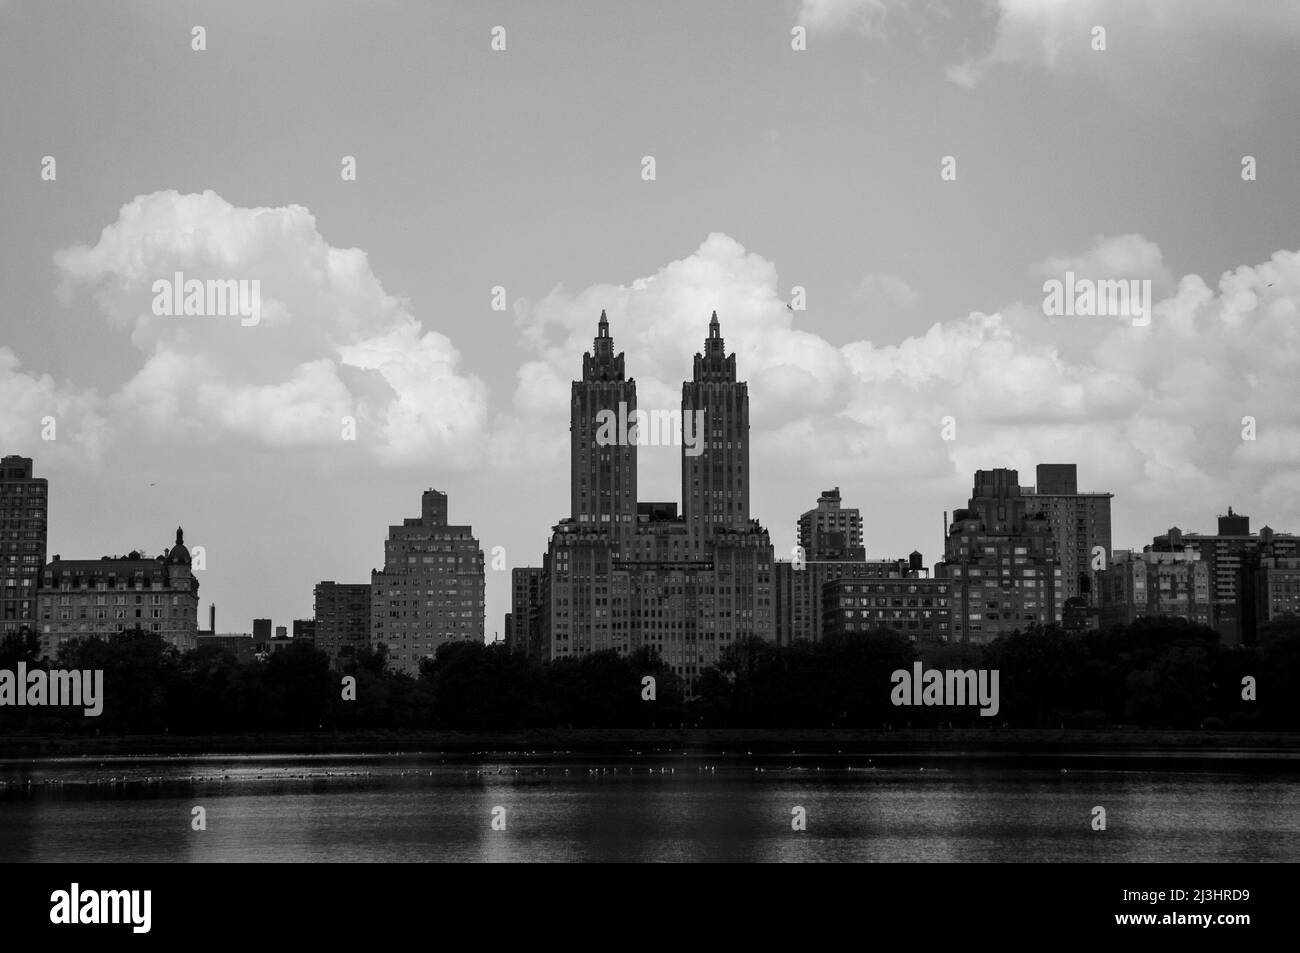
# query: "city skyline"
[821,169]
[609,382]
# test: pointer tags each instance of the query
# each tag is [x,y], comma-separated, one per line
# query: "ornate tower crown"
[714,364]
[601,364]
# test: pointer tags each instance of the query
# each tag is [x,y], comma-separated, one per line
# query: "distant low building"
[1229,557]
[238,644]
[95,598]
[1078,616]
[262,634]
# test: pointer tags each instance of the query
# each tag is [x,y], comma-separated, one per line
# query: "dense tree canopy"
[1155,673]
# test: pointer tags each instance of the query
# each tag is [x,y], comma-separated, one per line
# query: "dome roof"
[178,553]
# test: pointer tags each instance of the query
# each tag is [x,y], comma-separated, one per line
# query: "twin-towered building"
[624,574]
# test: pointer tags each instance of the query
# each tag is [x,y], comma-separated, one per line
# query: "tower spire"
[601,363]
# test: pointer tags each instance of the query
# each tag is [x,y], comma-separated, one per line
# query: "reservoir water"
[646,807]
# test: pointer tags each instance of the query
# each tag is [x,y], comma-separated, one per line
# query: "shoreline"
[739,742]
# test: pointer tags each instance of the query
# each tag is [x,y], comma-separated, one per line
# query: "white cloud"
[331,341]
[1155,410]
[1148,42]
[37,408]
[1123,256]
[830,15]
[1140,34]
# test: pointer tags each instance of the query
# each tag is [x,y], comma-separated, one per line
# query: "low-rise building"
[913,606]
[1154,583]
[342,619]
[95,598]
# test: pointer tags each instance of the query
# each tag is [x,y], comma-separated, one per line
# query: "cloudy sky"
[523,168]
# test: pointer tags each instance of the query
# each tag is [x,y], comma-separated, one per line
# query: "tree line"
[1153,673]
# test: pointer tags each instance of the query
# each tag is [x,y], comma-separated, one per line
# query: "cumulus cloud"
[1058,33]
[331,342]
[830,15]
[1122,256]
[1155,410]
[62,419]
[661,321]
[1148,42]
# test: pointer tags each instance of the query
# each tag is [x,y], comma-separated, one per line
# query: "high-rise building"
[1000,561]
[1080,527]
[602,472]
[95,598]
[715,483]
[830,547]
[431,589]
[24,519]
[304,630]
[1154,583]
[830,531]
[342,613]
[684,586]
[524,620]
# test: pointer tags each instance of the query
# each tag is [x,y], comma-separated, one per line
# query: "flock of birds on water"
[247,775]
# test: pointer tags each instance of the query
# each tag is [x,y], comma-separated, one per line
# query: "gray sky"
[774,168]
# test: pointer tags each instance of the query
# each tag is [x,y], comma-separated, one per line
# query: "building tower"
[831,531]
[1000,560]
[715,482]
[430,591]
[602,477]
[25,518]
[1080,526]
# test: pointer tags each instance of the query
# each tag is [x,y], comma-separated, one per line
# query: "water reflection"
[665,809]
